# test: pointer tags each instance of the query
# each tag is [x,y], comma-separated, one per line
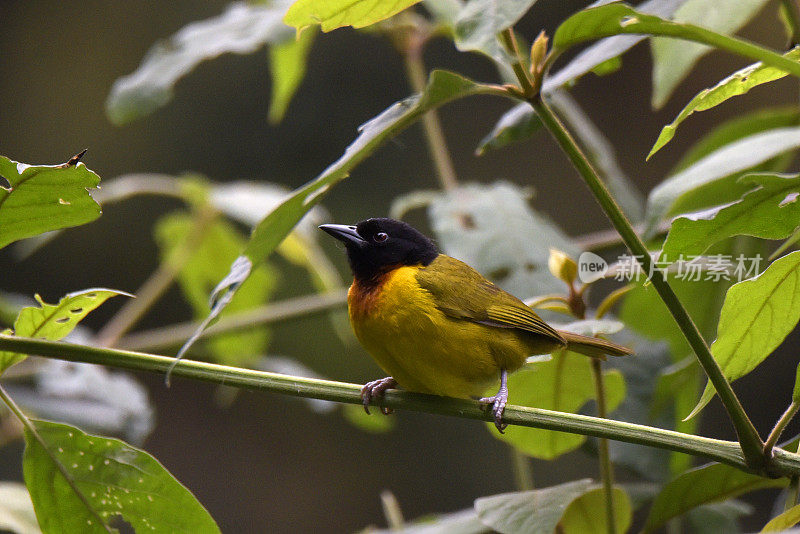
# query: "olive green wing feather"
[463,293]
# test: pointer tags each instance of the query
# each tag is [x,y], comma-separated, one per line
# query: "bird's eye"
[380,237]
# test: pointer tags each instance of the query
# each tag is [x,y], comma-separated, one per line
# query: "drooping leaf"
[40,198]
[673,60]
[712,180]
[332,14]
[209,260]
[510,246]
[756,317]
[81,483]
[607,49]
[769,211]
[532,512]
[703,485]
[738,83]
[784,521]
[618,18]
[587,513]
[442,87]
[565,384]
[517,124]
[288,67]
[242,29]
[479,22]
[55,321]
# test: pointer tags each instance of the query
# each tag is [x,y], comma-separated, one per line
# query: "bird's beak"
[344,233]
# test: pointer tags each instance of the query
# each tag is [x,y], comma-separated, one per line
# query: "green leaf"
[565,384]
[796,391]
[711,483]
[517,124]
[288,67]
[587,513]
[442,87]
[711,180]
[718,517]
[374,423]
[738,83]
[40,198]
[673,60]
[530,512]
[55,321]
[332,14]
[756,317]
[510,246]
[479,22]
[617,18]
[84,483]
[242,29]
[209,261]
[784,521]
[770,211]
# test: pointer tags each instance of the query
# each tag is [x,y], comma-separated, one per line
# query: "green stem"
[31,428]
[434,136]
[523,473]
[606,469]
[509,41]
[727,452]
[792,492]
[748,436]
[775,435]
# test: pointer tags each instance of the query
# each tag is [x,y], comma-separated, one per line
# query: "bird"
[435,324]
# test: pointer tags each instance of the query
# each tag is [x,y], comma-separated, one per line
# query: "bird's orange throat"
[364,294]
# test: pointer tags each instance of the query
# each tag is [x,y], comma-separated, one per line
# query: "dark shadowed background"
[267,463]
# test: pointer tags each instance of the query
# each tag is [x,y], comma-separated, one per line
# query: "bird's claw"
[497,404]
[375,390]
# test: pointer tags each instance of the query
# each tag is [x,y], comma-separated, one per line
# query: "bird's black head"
[375,245]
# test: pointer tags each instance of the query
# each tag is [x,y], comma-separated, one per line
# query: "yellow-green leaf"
[587,513]
[784,521]
[332,14]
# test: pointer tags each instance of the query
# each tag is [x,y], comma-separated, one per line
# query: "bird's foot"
[498,402]
[374,390]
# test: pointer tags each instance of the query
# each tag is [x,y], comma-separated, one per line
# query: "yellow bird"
[435,324]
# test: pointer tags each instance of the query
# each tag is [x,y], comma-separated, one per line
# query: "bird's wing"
[461,292]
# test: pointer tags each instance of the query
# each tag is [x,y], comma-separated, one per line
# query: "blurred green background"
[267,463]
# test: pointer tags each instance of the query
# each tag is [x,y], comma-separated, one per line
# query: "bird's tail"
[592,346]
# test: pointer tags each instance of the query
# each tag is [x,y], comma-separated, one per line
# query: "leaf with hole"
[564,384]
[84,483]
[673,60]
[533,512]
[242,29]
[442,87]
[708,484]
[55,321]
[738,83]
[756,317]
[332,14]
[769,211]
[41,198]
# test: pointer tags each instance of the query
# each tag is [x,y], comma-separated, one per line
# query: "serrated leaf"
[442,87]
[510,246]
[618,18]
[673,60]
[717,171]
[563,384]
[209,261]
[784,521]
[707,484]
[738,83]
[607,49]
[587,513]
[756,317]
[81,483]
[288,68]
[41,198]
[769,211]
[242,29]
[55,321]
[479,22]
[530,512]
[332,14]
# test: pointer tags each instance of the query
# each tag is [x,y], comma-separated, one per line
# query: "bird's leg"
[375,390]
[498,401]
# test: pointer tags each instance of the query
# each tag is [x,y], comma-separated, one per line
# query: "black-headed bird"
[435,324]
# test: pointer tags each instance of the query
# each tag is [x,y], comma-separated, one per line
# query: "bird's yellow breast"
[400,325]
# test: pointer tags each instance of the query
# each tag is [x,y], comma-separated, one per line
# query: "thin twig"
[606,469]
[777,430]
